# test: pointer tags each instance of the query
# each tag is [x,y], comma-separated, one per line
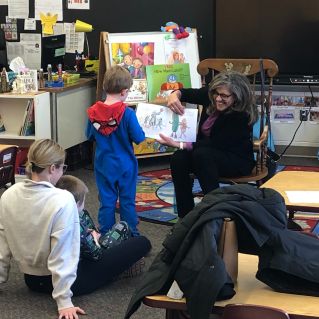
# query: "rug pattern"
[155,199]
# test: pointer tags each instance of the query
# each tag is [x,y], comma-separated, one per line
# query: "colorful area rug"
[155,199]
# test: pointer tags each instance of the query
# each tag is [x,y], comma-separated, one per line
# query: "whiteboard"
[163,42]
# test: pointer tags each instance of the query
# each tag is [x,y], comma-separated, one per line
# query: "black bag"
[271,163]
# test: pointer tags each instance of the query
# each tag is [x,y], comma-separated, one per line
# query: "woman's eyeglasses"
[222,95]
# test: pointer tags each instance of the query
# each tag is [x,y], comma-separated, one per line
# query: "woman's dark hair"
[238,84]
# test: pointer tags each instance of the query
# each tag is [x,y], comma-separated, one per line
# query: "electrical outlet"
[304,115]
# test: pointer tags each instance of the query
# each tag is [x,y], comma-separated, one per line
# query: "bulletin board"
[163,43]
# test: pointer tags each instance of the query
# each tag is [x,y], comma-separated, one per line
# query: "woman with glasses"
[224,145]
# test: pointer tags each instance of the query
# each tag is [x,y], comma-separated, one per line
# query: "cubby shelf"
[12,110]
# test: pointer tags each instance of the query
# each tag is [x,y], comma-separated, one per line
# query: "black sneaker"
[116,235]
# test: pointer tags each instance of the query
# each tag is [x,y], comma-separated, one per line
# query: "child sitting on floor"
[93,244]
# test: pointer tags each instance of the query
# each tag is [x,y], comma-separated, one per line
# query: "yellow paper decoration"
[48,22]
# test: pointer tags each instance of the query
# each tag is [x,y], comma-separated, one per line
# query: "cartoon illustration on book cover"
[163,78]
[133,56]
[175,51]
[138,91]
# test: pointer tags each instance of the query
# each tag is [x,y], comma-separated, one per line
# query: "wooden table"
[295,181]
[249,290]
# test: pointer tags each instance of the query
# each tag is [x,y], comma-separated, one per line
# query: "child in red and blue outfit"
[114,127]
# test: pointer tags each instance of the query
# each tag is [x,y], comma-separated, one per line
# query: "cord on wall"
[303,117]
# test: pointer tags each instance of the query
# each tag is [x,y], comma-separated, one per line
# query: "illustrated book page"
[156,119]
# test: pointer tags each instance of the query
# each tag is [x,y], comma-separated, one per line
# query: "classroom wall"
[139,16]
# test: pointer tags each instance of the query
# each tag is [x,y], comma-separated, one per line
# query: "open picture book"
[156,119]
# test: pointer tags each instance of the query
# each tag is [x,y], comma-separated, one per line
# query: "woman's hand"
[174,103]
[71,313]
[165,140]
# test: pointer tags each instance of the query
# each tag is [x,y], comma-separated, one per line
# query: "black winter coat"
[189,255]
[288,260]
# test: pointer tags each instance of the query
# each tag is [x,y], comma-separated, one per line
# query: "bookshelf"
[13,113]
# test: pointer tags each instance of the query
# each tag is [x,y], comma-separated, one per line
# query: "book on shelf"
[156,119]
[27,127]
[2,127]
[30,127]
[138,91]
[24,117]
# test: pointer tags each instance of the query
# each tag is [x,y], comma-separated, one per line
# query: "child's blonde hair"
[43,153]
[75,186]
[116,79]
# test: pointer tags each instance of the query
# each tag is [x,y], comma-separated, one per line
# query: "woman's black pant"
[208,164]
[92,275]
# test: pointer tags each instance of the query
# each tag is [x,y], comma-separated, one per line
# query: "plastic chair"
[246,311]
[8,154]
[250,67]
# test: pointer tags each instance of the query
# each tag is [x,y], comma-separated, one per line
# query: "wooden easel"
[104,54]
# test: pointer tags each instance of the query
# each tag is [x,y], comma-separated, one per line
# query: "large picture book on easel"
[144,55]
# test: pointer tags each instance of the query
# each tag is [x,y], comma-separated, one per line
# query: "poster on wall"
[48,8]
[79,4]
[314,115]
[283,114]
[10,29]
[18,9]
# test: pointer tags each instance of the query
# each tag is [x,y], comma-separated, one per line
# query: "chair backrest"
[246,311]
[8,155]
[245,66]
[250,67]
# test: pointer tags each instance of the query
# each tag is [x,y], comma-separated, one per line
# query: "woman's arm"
[5,255]
[193,96]
[65,251]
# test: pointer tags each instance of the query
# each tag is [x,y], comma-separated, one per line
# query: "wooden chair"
[250,67]
[8,154]
[246,311]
